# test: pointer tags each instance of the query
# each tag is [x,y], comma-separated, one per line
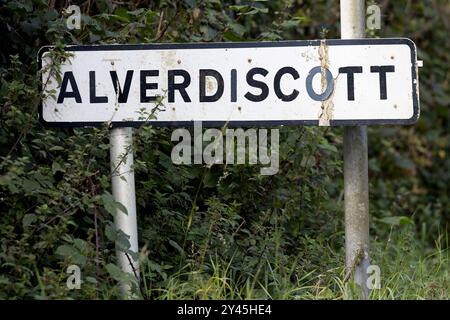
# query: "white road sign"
[319,82]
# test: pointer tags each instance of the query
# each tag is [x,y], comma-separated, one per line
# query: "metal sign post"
[122,176]
[356,186]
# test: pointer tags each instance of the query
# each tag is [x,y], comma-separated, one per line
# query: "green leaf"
[238,29]
[56,148]
[115,272]
[28,219]
[80,244]
[122,241]
[121,207]
[176,246]
[110,232]
[325,145]
[57,167]
[397,220]
[108,203]
[91,280]
[248,10]
[404,163]
[231,36]
[209,181]
[291,23]
[111,205]
[72,254]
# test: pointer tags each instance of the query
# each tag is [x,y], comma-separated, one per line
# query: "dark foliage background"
[55,202]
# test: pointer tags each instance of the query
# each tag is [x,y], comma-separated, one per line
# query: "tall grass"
[408,271]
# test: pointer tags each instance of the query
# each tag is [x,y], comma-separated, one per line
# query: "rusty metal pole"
[356,181]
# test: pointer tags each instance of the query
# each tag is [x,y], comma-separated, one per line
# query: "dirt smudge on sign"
[169,58]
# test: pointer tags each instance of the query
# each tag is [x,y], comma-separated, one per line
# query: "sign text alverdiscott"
[319,82]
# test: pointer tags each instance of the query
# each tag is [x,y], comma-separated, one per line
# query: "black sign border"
[230,45]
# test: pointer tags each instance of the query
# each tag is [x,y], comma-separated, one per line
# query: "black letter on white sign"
[181,87]
[233,85]
[350,71]
[330,84]
[277,85]
[122,95]
[93,97]
[216,75]
[68,77]
[147,86]
[257,84]
[382,70]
